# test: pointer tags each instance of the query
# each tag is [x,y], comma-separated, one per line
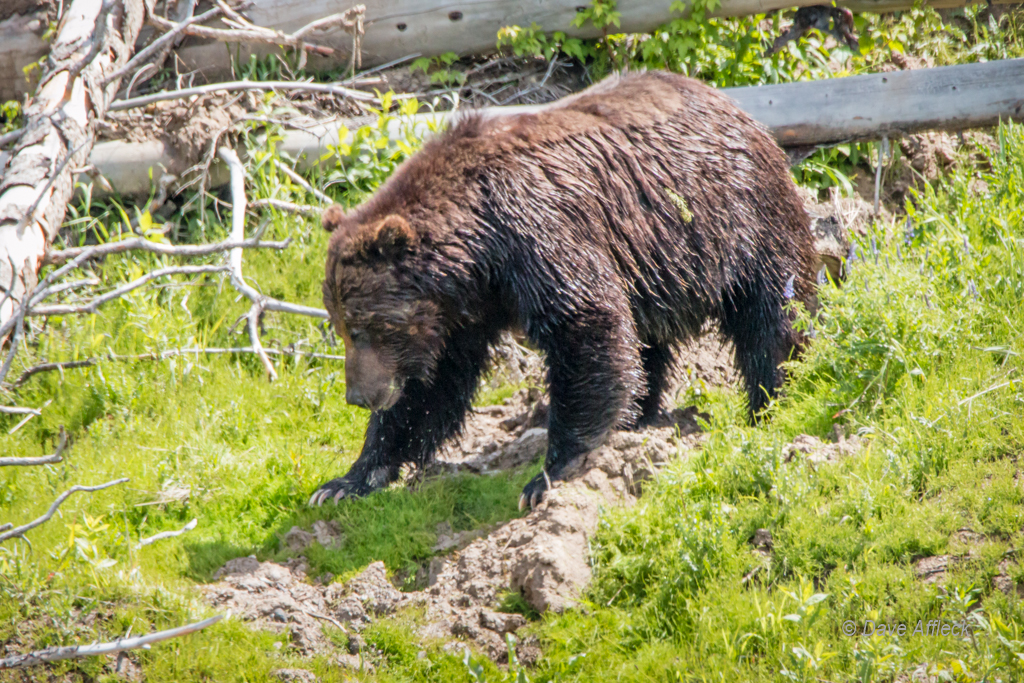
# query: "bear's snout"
[370,382]
[355,397]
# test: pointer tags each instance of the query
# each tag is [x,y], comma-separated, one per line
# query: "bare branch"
[157,44]
[290,207]
[11,136]
[20,531]
[167,534]
[164,355]
[18,410]
[54,654]
[91,306]
[242,85]
[349,19]
[49,367]
[301,182]
[235,257]
[143,244]
[45,460]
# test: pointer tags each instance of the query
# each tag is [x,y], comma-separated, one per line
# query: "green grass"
[918,353]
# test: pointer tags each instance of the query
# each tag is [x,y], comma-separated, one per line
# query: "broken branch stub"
[37,181]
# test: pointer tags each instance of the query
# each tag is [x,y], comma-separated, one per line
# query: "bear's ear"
[334,218]
[392,236]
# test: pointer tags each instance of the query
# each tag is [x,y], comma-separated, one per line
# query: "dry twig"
[58,456]
[235,257]
[301,182]
[55,654]
[167,534]
[326,88]
[20,531]
[290,207]
[143,244]
[163,355]
[91,306]
[160,42]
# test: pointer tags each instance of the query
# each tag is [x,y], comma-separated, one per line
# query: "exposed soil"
[542,556]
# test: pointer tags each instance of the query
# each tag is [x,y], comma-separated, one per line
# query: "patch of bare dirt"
[818,452]
[543,555]
[187,127]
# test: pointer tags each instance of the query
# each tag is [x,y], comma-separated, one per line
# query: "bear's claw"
[533,492]
[350,486]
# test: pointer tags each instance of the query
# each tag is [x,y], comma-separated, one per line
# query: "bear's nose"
[355,397]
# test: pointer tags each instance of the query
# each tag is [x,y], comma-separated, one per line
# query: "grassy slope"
[902,348]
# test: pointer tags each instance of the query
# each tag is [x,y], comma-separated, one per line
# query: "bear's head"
[378,306]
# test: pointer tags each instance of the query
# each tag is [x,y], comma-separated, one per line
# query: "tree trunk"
[398,28]
[36,182]
[822,112]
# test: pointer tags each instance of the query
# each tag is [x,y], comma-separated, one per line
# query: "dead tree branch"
[18,410]
[229,157]
[301,182]
[58,456]
[326,88]
[290,207]
[163,355]
[94,304]
[95,39]
[20,531]
[167,534]
[55,654]
[143,244]
[241,30]
[160,42]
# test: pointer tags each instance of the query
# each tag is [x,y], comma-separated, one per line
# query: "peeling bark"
[95,39]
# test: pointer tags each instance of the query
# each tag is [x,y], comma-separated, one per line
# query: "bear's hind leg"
[763,337]
[657,361]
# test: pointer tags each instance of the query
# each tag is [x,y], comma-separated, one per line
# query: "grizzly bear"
[608,227]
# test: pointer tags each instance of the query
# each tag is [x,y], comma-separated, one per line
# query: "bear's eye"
[358,335]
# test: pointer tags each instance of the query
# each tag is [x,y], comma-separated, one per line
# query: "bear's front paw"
[352,485]
[533,492]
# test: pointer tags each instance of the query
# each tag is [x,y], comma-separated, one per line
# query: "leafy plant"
[439,69]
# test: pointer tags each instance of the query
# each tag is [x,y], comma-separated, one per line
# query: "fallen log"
[798,114]
[36,180]
[397,28]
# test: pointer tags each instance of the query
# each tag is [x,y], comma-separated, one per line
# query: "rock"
[437,565]
[762,540]
[501,623]
[294,675]
[353,663]
[328,534]
[298,539]
[1004,582]
[933,569]
[374,590]
[355,644]
[818,452]
[237,566]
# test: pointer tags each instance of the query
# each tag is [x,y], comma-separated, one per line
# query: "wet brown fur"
[610,226]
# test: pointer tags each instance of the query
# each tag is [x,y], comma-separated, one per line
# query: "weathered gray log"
[397,28]
[798,114]
[36,182]
[867,107]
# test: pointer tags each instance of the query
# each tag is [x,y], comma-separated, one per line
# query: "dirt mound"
[543,556]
